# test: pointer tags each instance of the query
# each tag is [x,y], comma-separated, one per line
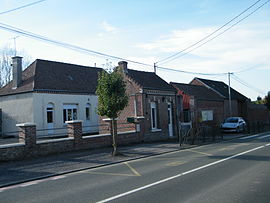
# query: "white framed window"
[207,115]
[70,112]
[87,112]
[153,115]
[50,113]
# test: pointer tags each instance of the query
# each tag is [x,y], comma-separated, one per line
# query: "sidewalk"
[25,170]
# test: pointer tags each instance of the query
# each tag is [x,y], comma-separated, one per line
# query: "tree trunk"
[114,136]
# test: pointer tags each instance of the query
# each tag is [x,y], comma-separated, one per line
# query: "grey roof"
[149,80]
[43,75]
[199,92]
[222,89]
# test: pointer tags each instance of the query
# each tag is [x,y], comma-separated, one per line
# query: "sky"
[148,31]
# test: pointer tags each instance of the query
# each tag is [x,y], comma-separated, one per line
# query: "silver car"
[233,124]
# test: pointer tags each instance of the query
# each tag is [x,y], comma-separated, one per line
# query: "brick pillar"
[27,134]
[75,130]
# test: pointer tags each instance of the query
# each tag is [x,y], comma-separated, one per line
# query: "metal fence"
[58,133]
[201,134]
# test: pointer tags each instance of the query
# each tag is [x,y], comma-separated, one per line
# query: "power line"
[247,85]
[63,44]
[190,72]
[208,34]
[219,33]
[24,6]
[88,51]
[174,56]
[247,69]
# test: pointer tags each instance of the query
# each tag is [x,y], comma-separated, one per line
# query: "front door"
[50,125]
[87,127]
[170,124]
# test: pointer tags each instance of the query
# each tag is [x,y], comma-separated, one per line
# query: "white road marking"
[264,137]
[248,137]
[34,182]
[57,177]
[179,175]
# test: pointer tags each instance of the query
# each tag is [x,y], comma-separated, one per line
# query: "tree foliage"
[267,101]
[112,98]
[111,91]
[259,100]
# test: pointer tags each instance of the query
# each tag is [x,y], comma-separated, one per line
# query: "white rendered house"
[49,93]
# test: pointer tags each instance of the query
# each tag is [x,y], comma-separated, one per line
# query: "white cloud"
[108,27]
[240,47]
[178,39]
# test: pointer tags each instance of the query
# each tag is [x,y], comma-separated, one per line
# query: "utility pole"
[230,97]
[155,68]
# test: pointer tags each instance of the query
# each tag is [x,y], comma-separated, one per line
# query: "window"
[70,112]
[50,113]
[153,115]
[87,112]
[207,115]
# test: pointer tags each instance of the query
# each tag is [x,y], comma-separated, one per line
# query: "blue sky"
[148,31]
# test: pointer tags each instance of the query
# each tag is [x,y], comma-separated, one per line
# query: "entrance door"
[50,124]
[87,127]
[170,124]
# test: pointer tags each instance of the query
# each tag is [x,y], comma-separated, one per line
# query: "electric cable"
[176,55]
[246,84]
[63,44]
[190,72]
[24,6]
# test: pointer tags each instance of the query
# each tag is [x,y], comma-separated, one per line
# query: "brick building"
[200,104]
[152,99]
[238,101]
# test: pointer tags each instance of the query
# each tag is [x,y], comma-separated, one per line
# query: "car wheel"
[238,129]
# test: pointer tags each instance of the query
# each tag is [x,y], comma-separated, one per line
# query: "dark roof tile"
[43,75]
[199,92]
[149,80]
[222,89]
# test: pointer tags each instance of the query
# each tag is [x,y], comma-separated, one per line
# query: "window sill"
[155,130]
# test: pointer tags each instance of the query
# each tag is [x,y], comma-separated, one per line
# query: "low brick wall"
[157,135]
[12,152]
[28,147]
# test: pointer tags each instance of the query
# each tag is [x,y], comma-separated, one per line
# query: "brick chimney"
[17,71]
[123,66]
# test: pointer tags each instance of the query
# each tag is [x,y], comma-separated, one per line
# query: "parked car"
[233,124]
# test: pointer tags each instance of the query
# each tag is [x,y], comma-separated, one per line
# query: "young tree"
[112,98]
[267,101]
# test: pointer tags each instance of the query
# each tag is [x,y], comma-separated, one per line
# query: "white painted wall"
[16,109]
[41,100]
[32,107]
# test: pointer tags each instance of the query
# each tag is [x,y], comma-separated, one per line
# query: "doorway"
[170,123]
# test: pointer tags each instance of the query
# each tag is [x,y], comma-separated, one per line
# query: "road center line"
[181,174]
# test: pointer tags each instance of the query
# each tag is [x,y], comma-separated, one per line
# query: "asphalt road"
[233,171]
